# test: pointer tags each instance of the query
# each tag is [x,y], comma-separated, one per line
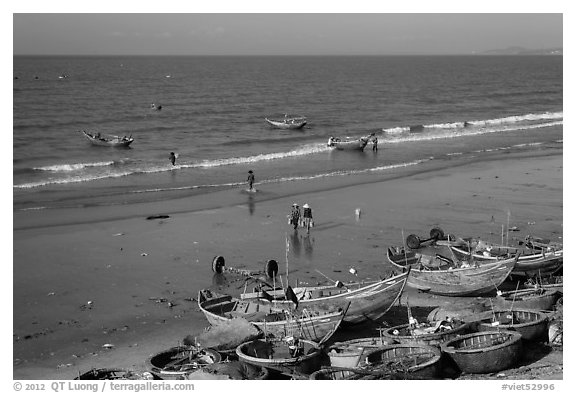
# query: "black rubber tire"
[271,268]
[437,233]
[218,264]
[413,241]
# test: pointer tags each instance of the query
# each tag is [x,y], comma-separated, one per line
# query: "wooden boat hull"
[356,144]
[538,299]
[108,141]
[554,283]
[532,325]
[529,263]
[176,362]
[100,374]
[401,334]
[310,324]
[288,125]
[368,302]
[467,281]
[351,353]
[418,360]
[274,355]
[485,352]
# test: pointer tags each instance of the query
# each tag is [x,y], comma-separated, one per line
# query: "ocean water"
[213,111]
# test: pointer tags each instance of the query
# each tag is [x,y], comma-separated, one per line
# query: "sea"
[421,108]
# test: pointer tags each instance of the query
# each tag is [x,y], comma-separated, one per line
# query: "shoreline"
[53,217]
[63,259]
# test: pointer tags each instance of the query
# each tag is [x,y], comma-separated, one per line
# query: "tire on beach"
[271,268]
[218,263]
[436,233]
[413,241]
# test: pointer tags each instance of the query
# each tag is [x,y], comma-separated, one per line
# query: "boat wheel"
[217,264]
[271,268]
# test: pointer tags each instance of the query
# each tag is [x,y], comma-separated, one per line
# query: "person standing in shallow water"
[374,143]
[250,180]
[173,158]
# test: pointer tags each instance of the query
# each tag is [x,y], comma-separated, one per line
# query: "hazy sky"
[276,34]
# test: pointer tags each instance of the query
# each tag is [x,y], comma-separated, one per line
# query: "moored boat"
[99,139]
[446,278]
[368,301]
[289,122]
[485,352]
[311,323]
[551,283]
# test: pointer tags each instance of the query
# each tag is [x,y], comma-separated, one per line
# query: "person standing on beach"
[173,158]
[307,214]
[250,180]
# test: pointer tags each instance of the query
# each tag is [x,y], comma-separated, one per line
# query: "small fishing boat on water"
[289,122]
[485,352]
[368,301]
[442,276]
[349,143]
[99,139]
[313,323]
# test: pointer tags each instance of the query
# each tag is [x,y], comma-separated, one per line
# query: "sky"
[280,33]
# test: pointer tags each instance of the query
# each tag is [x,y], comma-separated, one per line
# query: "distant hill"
[518,50]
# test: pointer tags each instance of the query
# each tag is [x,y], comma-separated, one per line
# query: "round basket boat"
[332,374]
[485,352]
[176,362]
[353,352]
[235,370]
[115,373]
[532,299]
[403,334]
[275,355]
[419,360]
[532,325]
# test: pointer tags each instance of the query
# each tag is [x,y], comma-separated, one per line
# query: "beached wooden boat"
[532,261]
[99,139]
[446,279]
[417,360]
[176,362]
[485,352]
[348,143]
[297,359]
[310,323]
[288,122]
[229,370]
[538,299]
[426,333]
[532,325]
[555,283]
[115,373]
[351,353]
[336,374]
[368,301]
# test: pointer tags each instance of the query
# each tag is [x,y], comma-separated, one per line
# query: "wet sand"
[85,278]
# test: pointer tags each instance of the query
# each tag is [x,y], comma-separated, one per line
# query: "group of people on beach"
[302,218]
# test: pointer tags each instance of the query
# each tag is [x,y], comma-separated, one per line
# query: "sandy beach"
[85,278]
